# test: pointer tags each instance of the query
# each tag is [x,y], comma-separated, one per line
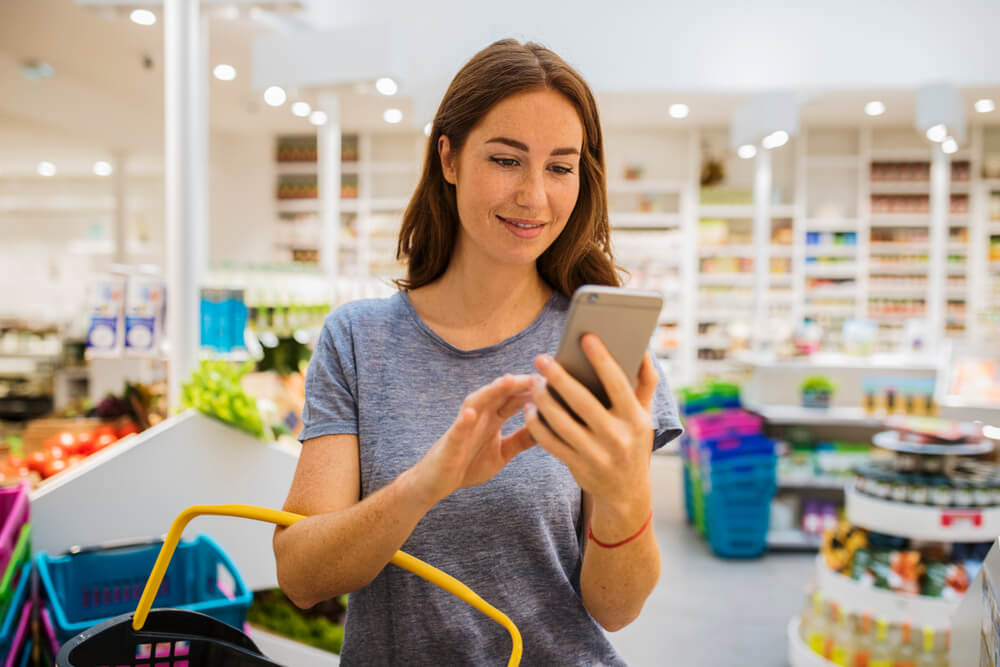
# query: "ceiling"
[106,94]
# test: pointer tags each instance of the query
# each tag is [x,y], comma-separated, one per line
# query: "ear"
[448,159]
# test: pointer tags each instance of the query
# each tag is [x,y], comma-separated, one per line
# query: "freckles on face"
[517,175]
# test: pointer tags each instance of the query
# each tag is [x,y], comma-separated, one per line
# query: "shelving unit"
[799,655]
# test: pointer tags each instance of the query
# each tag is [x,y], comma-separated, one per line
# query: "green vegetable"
[214,389]
[818,384]
[320,626]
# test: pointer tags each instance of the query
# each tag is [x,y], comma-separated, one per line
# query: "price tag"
[956,518]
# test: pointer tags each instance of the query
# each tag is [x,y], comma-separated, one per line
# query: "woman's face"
[517,176]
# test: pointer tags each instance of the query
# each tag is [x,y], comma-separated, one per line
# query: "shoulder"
[364,316]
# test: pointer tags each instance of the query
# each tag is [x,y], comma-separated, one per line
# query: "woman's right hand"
[472,451]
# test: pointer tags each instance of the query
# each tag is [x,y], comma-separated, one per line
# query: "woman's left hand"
[609,453]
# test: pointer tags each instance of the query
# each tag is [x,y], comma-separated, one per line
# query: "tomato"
[102,429]
[127,427]
[84,444]
[66,440]
[103,441]
[54,466]
[36,461]
[55,452]
[74,459]
[14,462]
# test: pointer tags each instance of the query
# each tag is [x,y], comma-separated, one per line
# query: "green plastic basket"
[20,556]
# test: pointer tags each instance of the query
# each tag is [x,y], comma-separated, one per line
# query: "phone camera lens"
[592,298]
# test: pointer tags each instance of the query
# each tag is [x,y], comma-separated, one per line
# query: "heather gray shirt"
[380,372]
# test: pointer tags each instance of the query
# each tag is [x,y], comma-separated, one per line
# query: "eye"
[504,161]
[559,169]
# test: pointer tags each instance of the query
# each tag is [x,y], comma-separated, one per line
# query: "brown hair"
[582,252]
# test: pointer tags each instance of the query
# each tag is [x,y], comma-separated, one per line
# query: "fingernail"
[544,360]
[530,410]
[538,381]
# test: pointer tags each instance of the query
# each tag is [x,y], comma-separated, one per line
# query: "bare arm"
[345,542]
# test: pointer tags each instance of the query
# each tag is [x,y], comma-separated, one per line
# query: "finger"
[513,405]
[616,383]
[519,441]
[492,396]
[649,379]
[546,439]
[577,397]
[560,422]
[464,423]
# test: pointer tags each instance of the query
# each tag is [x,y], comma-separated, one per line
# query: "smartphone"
[624,320]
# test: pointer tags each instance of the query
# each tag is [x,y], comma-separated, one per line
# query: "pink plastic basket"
[20,636]
[724,424]
[14,513]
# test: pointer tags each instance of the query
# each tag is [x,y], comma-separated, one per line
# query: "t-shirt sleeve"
[666,423]
[331,405]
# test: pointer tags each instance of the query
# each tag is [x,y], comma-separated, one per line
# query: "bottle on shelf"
[929,656]
[906,655]
[842,645]
[819,628]
[864,644]
[882,651]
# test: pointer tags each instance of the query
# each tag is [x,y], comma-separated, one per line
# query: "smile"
[521,225]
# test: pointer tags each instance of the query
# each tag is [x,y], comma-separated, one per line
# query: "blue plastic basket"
[737,494]
[12,617]
[87,588]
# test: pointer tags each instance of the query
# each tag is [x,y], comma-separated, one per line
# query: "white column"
[937,274]
[328,143]
[978,245]
[688,259]
[761,245]
[799,227]
[120,255]
[186,181]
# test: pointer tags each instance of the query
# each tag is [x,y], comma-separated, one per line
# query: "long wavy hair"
[582,253]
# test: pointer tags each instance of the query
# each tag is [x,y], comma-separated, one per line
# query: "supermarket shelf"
[923,522]
[991,183]
[780,279]
[842,361]
[890,440]
[832,292]
[833,161]
[994,227]
[831,310]
[645,186]
[832,224]
[713,342]
[107,247]
[901,155]
[792,540]
[779,250]
[830,250]
[900,248]
[783,211]
[395,167]
[919,609]
[834,416]
[898,291]
[713,365]
[733,279]
[299,205]
[958,410]
[813,483]
[900,219]
[289,652]
[832,269]
[900,187]
[725,211]
[799,655]
[645,220]
[901,268]
[303,168]
[726,250]
[236,468]
[390,204]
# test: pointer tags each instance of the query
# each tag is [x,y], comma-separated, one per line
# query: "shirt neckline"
[479,351]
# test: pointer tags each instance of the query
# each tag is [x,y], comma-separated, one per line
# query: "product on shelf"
[296,148]
[902,395]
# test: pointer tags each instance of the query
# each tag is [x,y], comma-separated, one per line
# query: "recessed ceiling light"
[985,105]
[392,116]
[427,129]
[746,151]
[142,17]
[386,86]
[775,139]
[937,133]
[875,108]
[224,72]
[275,96]
[949,145]
[317,118]
[33,70]
[102,168]
[46,169]
[301,109]
[678,110]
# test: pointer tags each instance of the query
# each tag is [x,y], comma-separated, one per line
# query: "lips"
[522,228]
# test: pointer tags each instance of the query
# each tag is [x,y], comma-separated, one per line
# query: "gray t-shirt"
[380,372]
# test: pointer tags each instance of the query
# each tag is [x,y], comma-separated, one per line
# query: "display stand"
[135,489]
[975,627]
[800,655]
[289,652]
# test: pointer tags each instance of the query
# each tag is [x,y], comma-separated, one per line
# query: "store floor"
[706,611]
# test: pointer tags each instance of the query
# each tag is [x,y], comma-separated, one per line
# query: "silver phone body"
[624,320]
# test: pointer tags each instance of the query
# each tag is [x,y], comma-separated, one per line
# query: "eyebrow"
[514,143]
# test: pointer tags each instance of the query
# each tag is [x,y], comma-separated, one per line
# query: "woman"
[509,218]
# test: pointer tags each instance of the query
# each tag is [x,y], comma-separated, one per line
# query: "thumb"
[463,424]
[515,443]
[648,381]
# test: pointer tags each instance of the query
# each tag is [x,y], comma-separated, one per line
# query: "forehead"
[543,119]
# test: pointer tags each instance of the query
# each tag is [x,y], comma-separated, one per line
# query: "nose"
[531,193]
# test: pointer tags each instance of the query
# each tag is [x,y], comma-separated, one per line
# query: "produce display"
[214,389]
[964,484]
[902,565]
[320,626]
[60,451]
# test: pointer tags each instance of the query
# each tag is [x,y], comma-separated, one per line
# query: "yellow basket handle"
[282,518]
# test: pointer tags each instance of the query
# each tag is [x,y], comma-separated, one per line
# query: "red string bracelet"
[596,541]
